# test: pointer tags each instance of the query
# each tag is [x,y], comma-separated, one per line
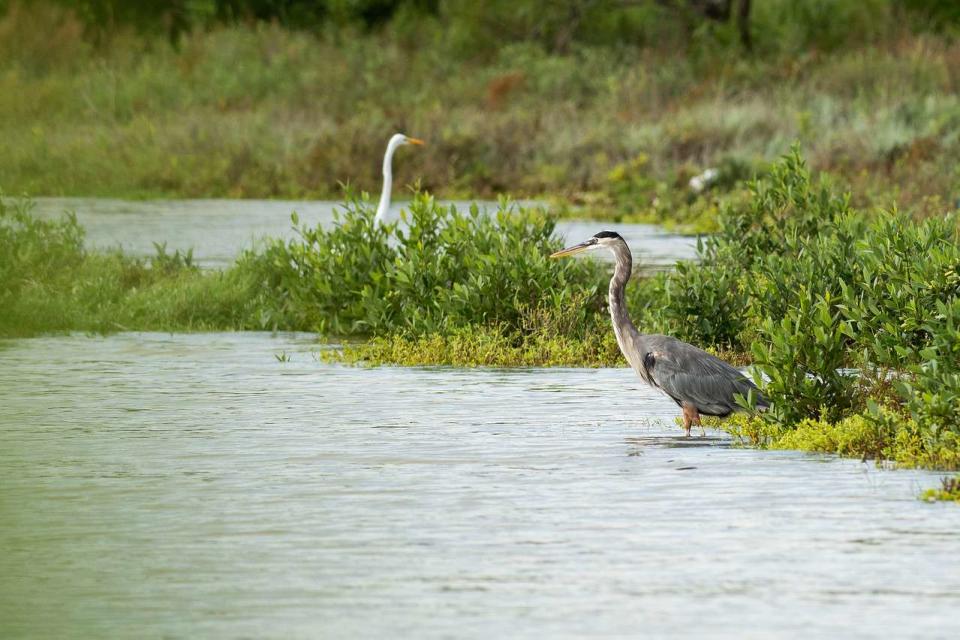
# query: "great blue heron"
[697,381]
[397,140]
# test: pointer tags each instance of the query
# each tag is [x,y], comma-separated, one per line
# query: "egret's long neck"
[384,205]
[628,338]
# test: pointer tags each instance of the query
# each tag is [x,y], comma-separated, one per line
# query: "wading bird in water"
[701,384]
[397,140]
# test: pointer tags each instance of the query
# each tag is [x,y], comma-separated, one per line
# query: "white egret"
[397,140]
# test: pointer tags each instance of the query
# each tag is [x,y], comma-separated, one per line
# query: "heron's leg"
[690,416]
[698,422]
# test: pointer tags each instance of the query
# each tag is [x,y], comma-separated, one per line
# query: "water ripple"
[194,486]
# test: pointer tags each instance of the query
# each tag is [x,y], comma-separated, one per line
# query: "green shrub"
[903,273]
[694,303]
[803,355]
[442,270]
[932,392]
[49,282]
[851,322]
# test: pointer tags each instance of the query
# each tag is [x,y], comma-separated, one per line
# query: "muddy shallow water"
[159,485]
[217,230]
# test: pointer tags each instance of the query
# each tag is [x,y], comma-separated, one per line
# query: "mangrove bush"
[844,315]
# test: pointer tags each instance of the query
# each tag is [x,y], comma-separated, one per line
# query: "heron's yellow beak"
[575,249]
[415,141]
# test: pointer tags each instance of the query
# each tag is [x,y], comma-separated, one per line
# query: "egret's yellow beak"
[577,248]
[415,141]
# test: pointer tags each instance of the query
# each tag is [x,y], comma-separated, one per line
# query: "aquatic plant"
[482,346]
[949,490]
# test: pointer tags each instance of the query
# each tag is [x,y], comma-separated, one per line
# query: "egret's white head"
[603,240]
[399,139]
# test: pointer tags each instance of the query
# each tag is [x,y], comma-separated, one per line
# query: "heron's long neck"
[384,205]
[628,338]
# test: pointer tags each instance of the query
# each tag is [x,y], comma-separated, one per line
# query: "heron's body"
[698,382]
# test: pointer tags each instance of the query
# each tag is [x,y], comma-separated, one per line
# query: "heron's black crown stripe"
[608,234]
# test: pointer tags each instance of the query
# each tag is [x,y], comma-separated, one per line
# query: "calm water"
[218,229]
[194,486]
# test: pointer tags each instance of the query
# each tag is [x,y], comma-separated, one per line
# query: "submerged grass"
[483,347]
[495,347]
[889,437]
[948,491]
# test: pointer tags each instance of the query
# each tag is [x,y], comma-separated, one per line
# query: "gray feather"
[690,375]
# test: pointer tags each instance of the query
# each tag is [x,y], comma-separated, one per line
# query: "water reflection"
[192,485]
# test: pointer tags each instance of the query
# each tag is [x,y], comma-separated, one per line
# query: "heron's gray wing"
[688,374]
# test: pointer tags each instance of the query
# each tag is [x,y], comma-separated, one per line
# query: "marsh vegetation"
[796,281]
[609,113]
[835,276]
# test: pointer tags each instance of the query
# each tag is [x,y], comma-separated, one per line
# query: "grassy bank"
[49,282]
[247,110]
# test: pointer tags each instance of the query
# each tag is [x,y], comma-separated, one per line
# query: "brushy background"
[604,104]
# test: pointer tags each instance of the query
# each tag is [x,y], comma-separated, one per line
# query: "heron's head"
[399,139]
[603,240]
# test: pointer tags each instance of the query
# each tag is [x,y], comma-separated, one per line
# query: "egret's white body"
[397,140]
